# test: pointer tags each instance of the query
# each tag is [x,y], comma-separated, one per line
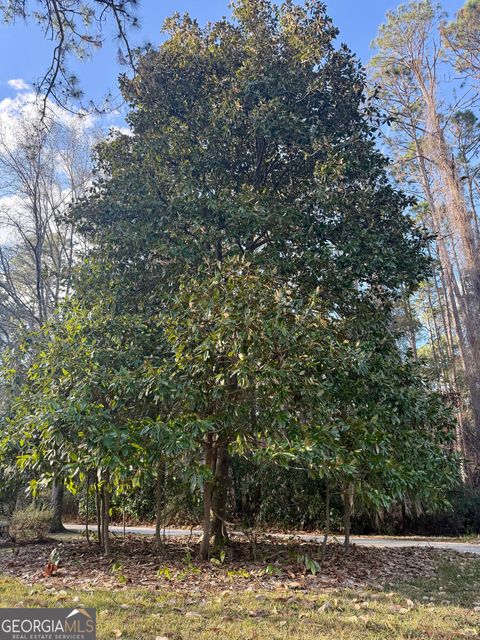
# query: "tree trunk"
[124,519]
[102,515]
[219,498]
[460,429]
[347,512]
[160,502]
[404,517]
[207,500]
[56,503]
[411,325]
[106,515]
[99,510]
[327,520]
[442,359]
[87,514]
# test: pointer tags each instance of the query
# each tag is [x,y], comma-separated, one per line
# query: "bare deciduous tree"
[44,165]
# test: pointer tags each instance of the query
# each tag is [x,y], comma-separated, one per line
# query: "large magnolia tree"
[249,222]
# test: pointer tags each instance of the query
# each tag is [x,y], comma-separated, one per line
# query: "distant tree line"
[426,74]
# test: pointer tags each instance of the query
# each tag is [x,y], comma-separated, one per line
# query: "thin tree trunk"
[106,514]
[411,325]
[57,505]
[99,510]
[434,348]
[102,503]
[473,210]
[207,500]
[327,520]
[447,322]
[442,361]
[160,502]
[219,498]
[347,512]
[123,519]
[87,491]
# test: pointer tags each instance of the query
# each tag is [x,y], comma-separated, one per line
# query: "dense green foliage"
[246,249]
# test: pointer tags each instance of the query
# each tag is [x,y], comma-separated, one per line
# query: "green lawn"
[441,608]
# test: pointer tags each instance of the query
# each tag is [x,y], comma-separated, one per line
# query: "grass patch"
[441,608]
[457,583]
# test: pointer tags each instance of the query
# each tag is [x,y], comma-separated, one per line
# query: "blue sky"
[25,54]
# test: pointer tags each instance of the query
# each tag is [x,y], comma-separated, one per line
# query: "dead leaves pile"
[274,564]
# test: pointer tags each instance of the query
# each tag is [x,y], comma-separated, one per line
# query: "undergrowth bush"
[30,524]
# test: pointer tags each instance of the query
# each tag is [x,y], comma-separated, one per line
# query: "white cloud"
[28,106]
[11,206]
[18,84]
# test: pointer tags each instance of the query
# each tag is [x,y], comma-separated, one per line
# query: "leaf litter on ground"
[274,564]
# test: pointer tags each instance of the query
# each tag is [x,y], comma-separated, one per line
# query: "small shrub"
[30,524]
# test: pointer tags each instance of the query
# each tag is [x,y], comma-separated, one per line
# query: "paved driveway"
[366,541]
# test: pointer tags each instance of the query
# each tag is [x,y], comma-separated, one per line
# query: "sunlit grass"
[440,608]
